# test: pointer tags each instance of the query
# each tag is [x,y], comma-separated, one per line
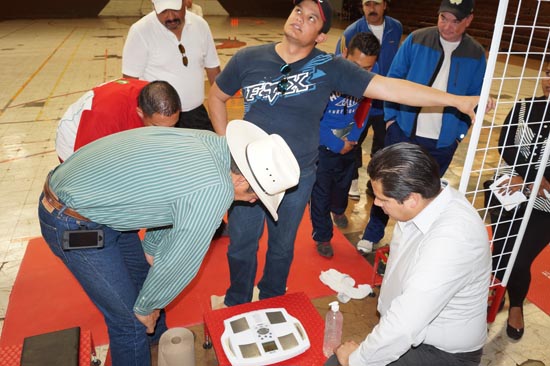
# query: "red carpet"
[45,296]
[540,281]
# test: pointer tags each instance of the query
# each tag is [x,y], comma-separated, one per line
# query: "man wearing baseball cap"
[444,57]
[459,8]
[388,30]
[286,86]
[177,184]
[174,45]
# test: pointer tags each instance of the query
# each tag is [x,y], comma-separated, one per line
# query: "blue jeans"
[246,225]
[330,191]
[112,277]
[394,135]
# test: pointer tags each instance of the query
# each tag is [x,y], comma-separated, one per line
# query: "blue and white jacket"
[419,59]
[391,38]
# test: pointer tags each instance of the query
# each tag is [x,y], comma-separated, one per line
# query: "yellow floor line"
[12,99]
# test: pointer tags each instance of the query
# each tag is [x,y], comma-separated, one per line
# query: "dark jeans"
[394,135]
[535,239]
[426,355]
[379,134]
[246,225]
[196,118]
[330,191]
[112,277]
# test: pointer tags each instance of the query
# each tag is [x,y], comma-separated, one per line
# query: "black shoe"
[512,332]
[340,221]
[324,249]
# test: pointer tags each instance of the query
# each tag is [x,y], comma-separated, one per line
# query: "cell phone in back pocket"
[82,239]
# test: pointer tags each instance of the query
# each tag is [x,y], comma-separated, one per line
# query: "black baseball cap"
[326,13]
[459,8]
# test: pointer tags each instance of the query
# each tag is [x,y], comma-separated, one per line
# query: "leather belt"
[50,201]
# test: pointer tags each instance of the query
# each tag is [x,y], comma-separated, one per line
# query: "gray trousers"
[426,355]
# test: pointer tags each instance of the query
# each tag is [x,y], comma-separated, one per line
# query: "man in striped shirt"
[178,184]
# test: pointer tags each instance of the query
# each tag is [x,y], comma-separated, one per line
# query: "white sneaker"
[365,246]
[354,190]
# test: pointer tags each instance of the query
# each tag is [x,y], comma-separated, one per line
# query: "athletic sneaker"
[354,190]
[365,246]
[340,221]
[324,248]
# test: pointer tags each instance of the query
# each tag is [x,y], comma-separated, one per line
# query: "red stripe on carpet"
[45,296]
[540,281]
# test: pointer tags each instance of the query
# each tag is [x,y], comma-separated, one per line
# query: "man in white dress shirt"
[433,299]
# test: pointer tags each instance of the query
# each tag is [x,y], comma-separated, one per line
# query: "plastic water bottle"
[333,329]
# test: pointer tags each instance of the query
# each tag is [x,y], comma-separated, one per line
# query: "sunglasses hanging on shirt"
[183,55]
[284,84]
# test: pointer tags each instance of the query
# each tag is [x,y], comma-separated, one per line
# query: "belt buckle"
[47,205]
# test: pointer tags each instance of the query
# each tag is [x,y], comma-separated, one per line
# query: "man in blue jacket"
[388,30]
[443,57]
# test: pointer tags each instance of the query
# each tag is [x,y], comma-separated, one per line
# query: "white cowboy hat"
[265,161]
[162,5]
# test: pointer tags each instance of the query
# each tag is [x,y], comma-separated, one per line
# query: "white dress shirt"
[436,284]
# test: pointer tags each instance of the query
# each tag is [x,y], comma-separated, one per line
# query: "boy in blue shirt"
[339,133]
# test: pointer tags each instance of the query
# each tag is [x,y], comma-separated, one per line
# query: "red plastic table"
[297,304]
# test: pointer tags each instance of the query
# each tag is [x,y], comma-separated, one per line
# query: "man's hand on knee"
[344,350]
[150,321]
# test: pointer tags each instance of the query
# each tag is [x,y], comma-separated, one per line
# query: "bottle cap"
[335,306]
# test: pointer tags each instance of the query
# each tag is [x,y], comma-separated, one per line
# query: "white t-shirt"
[68,125]
[429,118]
[151,53]
[378,31]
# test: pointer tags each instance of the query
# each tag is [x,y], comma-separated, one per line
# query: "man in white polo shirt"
[174,45]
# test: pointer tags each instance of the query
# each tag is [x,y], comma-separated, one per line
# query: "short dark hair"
[403,169]
[366,43]
[159,97]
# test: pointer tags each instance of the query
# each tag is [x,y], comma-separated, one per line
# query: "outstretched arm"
[416,95]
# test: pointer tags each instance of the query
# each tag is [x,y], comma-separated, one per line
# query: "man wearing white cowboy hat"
[178,184]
